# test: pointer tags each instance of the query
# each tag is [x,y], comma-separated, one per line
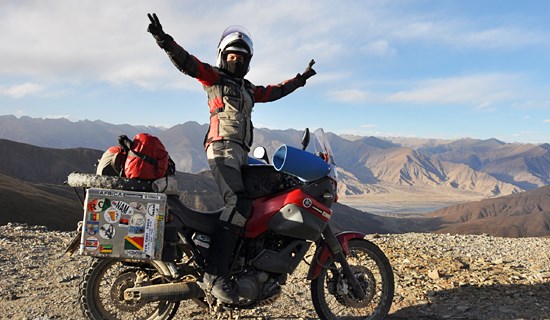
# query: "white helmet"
[235,39]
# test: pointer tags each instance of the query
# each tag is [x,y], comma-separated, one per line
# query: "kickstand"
[230,313]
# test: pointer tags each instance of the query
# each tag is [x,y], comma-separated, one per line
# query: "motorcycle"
[350,277]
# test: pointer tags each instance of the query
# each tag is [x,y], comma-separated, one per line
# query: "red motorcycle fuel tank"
[294,214]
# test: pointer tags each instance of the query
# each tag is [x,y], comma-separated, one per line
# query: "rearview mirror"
[305,139]
[261,153]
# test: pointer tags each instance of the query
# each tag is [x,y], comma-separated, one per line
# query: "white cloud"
[368,126]
[106,41]
[480,90]
[142,75]
[93,40]
[483,92]
[21,90]
[503,37]
[380,48]
[546,121]
[69,39]
[461,32]
[350,95]
[414,29]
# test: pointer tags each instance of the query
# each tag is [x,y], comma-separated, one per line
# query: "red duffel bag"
[147,158]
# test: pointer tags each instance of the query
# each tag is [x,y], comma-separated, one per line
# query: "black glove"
[155,28]
[308,73]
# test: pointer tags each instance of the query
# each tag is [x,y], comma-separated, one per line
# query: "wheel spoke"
[333,297]
[104,293]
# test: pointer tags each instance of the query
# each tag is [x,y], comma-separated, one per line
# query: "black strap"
[144,157]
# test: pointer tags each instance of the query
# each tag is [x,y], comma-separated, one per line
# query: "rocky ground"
[437,277]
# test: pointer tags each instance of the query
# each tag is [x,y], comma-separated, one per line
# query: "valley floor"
[409,202]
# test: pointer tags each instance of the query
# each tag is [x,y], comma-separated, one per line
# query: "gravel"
[437,276]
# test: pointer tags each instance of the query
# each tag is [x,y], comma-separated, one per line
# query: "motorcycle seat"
[203,221]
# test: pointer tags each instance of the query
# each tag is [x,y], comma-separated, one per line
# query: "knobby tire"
[98,299]
[332,297]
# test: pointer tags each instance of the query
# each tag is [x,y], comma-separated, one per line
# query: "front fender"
[323,252]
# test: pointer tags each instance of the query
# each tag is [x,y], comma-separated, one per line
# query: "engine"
[258,287]
[265,264]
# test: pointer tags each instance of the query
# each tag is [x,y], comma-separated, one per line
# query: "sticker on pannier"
[123,224]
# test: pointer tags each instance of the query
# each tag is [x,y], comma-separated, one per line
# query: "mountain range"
[517,215]
[32,190]
[488,168]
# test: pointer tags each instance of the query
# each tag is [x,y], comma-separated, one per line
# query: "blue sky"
[427,69]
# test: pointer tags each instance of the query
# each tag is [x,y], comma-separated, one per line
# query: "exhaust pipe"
[164,292]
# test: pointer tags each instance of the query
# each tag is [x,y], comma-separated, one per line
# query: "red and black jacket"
[230,99]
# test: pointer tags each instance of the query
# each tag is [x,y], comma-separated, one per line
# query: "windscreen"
[322,146]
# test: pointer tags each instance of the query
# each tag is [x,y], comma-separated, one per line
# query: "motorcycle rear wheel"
[102,289]
[332,296]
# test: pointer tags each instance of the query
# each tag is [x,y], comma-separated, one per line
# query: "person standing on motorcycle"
[230,99]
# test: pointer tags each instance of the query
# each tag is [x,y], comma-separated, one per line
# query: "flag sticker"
[106,248]
[91,243]
[123,222]
[99,205]
[92,228]
[133,243]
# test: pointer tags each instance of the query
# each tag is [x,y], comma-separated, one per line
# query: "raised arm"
[185,62]
[274,92]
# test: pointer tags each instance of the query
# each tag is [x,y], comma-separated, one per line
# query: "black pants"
[225,160]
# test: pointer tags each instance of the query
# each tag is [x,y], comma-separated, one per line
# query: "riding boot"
[218,264]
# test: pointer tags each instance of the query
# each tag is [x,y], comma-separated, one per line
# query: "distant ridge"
[490,168]
[517,215]
[45,165]
[26,203]
[62,133]
[32,192]
[32,189]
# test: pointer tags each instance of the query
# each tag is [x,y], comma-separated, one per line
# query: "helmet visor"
[236,38]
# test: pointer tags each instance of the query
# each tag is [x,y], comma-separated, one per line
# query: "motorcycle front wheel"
[102,292]
[333,297]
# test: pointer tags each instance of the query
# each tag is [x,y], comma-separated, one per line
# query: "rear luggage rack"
[88,180]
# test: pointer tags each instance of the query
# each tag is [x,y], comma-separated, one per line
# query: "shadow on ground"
[495,302]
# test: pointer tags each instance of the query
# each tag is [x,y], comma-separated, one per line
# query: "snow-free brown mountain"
[517,215]
[489,168]
[523,165]
[32,192]
[405,166]
[62,133]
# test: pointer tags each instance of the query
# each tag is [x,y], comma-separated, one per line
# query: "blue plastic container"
[300,163]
